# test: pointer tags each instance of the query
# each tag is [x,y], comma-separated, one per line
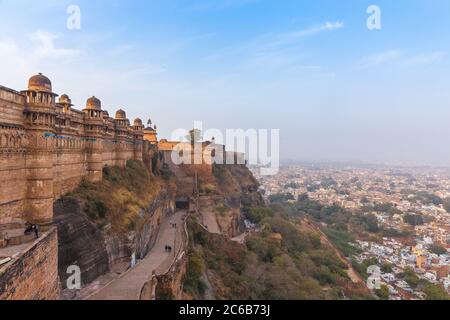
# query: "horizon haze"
[337,91]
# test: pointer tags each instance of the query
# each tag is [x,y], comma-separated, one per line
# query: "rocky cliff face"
[80,242]
[96,250]
[104,224]
[278,261]
[236,190]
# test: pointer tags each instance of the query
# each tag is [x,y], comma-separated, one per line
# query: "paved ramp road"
[129,285]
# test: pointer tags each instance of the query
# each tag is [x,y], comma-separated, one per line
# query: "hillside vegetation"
[281,261]
[296,267]
[117,202]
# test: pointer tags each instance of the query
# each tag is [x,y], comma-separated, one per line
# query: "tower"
[138,137]
[93,117]
[40,117]
[122,138]
[150,134]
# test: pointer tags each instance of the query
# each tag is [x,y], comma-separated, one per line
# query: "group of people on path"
[169,248]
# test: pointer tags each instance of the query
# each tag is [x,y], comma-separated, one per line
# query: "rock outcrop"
[95,251]
[81,243]
[227,195]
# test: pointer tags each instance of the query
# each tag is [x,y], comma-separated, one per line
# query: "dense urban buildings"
[411,206]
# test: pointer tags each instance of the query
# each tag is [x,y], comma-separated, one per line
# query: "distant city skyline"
[337,91]
[362,164]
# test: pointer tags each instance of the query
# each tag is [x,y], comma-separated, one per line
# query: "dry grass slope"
[117,203]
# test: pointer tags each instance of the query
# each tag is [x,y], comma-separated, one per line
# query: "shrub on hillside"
[257,215]
[447,204]
[121,196]
[193,282]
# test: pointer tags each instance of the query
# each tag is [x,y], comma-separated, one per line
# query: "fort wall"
[47,148]
[34,274]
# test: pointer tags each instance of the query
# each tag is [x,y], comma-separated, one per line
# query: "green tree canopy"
[447,204]
[435,292]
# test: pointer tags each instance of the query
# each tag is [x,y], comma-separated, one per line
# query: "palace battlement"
[47,147]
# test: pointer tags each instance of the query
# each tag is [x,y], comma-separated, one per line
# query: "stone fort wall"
[47,148]
[34,274]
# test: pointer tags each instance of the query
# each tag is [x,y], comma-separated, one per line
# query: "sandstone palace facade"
[47,147]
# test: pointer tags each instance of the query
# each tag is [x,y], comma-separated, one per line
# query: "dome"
[40,82]
[121,115]
[93,103]
[64,99]
[138,122]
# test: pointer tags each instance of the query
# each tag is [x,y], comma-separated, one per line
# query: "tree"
[435,292]
[281,197]
[292,185]
[411,277]
[303,197]
[364,200]
[426,197]
[383,292]
[413,219]
[447,204]
[386,267]
[193,282]
[372,223]
[361,268]
[258,214]
[437,249]
[194,136]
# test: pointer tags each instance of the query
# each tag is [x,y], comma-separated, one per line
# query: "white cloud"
[273,51]
[378,59]
[14,64]
[121,50]
[45,46]
[402,59]
[291,37]
[37,53]
[426,58]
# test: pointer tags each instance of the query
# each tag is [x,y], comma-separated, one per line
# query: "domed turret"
[40,82]
[64,99]
[39,93]
[137,122]
[121,115]
[93,103]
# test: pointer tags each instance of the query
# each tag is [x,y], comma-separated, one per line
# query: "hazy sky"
[311,68]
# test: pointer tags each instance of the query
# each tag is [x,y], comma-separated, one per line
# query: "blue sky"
[337,91]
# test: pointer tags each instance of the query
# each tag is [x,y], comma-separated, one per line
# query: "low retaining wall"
[33,274]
